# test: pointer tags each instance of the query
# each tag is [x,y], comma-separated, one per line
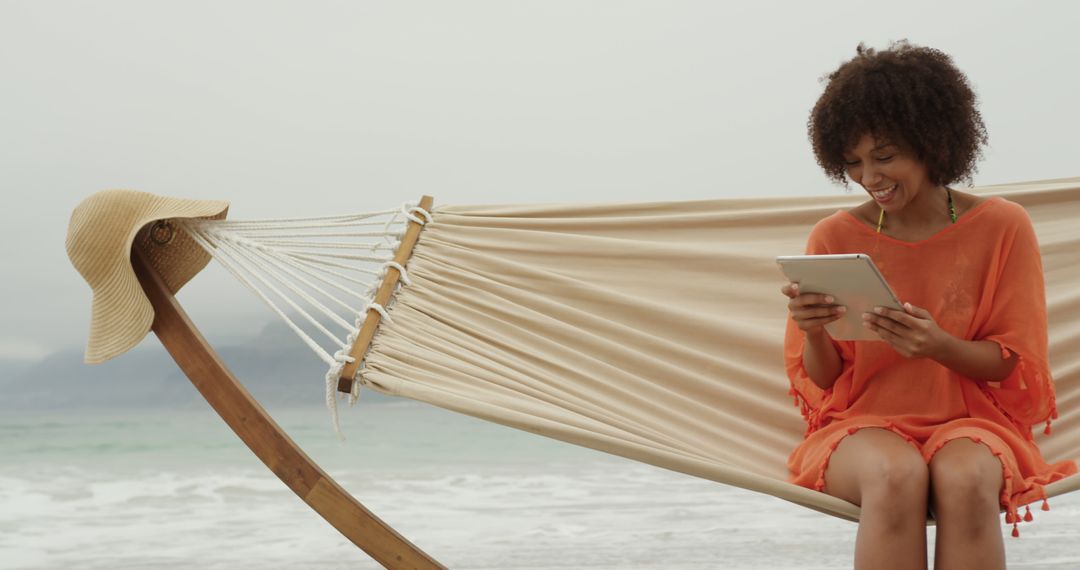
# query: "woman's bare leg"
[889,479]
[966,481]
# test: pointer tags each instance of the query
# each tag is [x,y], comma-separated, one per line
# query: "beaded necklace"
[952,211]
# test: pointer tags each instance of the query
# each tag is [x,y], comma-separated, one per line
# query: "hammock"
[651,331]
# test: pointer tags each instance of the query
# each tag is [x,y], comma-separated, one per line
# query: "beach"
[175,488]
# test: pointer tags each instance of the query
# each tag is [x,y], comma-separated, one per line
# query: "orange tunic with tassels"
[981,278]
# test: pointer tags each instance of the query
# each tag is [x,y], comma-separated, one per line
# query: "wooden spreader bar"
[382,296]
[264,437]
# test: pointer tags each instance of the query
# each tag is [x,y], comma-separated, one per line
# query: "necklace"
[952,211]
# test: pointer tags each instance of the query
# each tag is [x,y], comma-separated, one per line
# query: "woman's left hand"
[913,332]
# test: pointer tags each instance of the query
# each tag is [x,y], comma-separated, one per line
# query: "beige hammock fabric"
[654,331]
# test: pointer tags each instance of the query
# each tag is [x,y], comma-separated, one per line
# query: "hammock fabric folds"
[654,331]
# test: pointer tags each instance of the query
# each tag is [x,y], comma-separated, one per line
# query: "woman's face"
[891,175]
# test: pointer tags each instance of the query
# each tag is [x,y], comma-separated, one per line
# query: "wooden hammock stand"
[254,426]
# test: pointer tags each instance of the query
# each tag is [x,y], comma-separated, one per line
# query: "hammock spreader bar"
[382,297]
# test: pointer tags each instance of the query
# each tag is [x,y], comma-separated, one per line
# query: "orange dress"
[981,278]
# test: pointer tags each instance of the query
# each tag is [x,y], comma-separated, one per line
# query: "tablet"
[852,279]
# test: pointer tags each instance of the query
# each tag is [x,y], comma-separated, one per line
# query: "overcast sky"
[327,107]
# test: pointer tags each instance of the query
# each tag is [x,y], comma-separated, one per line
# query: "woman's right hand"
[811,311]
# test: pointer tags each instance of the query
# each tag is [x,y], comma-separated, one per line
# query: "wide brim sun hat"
[101,233]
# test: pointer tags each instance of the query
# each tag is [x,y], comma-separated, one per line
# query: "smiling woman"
[936,415]
[896,179]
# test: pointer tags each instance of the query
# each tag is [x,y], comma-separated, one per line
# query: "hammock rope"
[294,266]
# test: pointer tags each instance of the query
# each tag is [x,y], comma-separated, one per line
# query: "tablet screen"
[852,279]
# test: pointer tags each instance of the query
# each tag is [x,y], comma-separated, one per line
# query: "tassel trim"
[1014,518]
[1005,499]
[1021,368]
[811,414]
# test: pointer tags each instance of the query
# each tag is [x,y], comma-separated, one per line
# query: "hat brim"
[120,317]
[101,235]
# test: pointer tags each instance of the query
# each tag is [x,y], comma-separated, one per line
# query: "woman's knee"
[898,476]
[877,465]
[967,473]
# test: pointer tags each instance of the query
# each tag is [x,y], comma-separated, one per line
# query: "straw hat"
[100,236]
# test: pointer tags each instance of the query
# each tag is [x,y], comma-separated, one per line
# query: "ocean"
[176,489]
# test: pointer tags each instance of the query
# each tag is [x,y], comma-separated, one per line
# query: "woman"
[937,416]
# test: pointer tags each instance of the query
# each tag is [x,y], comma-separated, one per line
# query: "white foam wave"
[469,509]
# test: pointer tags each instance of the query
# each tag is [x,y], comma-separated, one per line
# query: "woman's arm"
[976,359]
[811,312]
[820,358]
[914,334]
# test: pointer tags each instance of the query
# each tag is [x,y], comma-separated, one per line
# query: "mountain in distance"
[276,367]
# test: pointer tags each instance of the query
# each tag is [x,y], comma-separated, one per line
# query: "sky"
[317,108]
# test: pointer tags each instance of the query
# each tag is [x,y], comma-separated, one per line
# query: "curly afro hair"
[912,96]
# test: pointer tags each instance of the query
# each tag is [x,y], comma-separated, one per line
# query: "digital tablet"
[854,282]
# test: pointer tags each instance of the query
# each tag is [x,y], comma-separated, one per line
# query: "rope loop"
[401,270]
[380,309]
[408,213]
[342,356]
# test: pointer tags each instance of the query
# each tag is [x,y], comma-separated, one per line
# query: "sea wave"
[471,494]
